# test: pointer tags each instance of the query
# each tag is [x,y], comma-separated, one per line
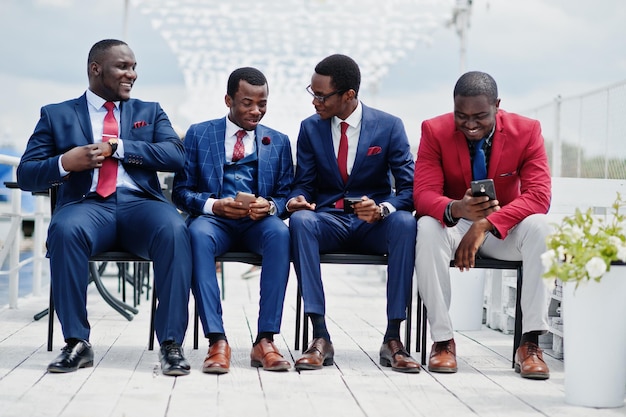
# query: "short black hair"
[102,46]
[343,71]
[251,75]
[476,83]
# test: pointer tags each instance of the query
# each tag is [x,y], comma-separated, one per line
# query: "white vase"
[594,340]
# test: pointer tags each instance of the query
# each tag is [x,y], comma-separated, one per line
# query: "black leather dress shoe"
[75,354]
[173,362]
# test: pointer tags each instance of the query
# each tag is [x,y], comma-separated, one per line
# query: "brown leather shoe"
[217,359]
[395,355]
[529,362]
[443,357]
[265,354]
[319,354]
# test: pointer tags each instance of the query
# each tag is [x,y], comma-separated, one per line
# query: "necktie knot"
[109,105]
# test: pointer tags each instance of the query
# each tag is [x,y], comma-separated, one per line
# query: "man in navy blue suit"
[223,158]
[349,150]
[119,207]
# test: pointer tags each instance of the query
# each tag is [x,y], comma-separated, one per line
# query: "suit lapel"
[497,145]
[326,142]
[126,116]
[263,159]
[216,137]
[368,130]
[462,155]
[82,113]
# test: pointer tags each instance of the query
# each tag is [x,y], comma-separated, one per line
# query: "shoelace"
[174,350]
[533,349]
[443,346]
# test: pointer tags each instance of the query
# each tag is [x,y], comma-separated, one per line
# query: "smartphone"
[245,198]
[483,187]
[348,202]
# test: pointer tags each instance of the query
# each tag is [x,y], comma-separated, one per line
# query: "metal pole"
[125,28]
[556,148]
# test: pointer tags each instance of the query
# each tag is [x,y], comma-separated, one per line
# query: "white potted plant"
[585,252]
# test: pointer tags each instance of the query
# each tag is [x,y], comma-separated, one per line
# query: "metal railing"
[585,134]
[12,242]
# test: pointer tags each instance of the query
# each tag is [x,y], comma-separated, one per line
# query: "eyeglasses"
[322,99]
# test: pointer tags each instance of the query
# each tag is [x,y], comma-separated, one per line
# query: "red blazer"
[518,164]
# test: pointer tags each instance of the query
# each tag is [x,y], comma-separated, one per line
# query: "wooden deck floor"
[126,379]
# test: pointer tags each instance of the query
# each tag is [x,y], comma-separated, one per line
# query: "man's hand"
[474,208]
[299,203]
[229,208]
[465,256]
[85,157]
[259,209]
[367,210]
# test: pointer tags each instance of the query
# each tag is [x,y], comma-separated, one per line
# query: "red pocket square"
[139,124]
[374,150]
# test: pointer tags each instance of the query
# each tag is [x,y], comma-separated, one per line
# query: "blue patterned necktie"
[479,168]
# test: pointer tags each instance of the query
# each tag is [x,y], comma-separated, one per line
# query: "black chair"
[484,263]
[95,276]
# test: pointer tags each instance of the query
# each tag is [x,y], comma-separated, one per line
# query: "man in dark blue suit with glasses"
[350,151]
[103,150]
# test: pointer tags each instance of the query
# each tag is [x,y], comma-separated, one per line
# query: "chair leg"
[517,337]
[50,320]
[196,328]
[152,314]
[223,281]
[408,325]
[421,326]
[296,344]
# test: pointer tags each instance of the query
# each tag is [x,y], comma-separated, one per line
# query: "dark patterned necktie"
[239,149]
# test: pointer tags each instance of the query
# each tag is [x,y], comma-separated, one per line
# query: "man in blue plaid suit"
[223,158]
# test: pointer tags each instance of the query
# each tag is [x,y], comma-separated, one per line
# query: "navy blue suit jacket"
[203,176]
[383,152]
[152,146]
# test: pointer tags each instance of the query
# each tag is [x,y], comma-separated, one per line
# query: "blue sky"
[535,49]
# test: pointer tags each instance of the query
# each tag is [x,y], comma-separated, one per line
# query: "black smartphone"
[348,202]
[483,187]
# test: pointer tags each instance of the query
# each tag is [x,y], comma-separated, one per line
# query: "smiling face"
[248,106]
[475,116]
[112,73]
[340,105]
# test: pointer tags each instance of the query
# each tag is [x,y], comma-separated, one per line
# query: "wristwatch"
[384,211]
[113,143]
[272,210]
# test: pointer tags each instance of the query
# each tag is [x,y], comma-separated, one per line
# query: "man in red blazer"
[454,223]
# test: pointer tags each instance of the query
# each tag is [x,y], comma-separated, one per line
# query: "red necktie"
[107,178]
[239,149]
[342,158]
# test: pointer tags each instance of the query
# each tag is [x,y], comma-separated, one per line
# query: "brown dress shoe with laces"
[394,354]
[265,354]
[319,354]
[443,357]
[217,359]
[529,362]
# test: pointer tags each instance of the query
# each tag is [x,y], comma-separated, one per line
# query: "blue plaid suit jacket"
[203,175]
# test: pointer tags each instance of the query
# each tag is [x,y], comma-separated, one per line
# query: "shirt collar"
[354,120]
[232,129]
[98,102]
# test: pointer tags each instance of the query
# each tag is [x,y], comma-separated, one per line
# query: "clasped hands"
[475,209]
[85,157]
[231,209]
[366,209]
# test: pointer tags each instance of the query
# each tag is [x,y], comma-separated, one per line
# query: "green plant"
[583,246]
